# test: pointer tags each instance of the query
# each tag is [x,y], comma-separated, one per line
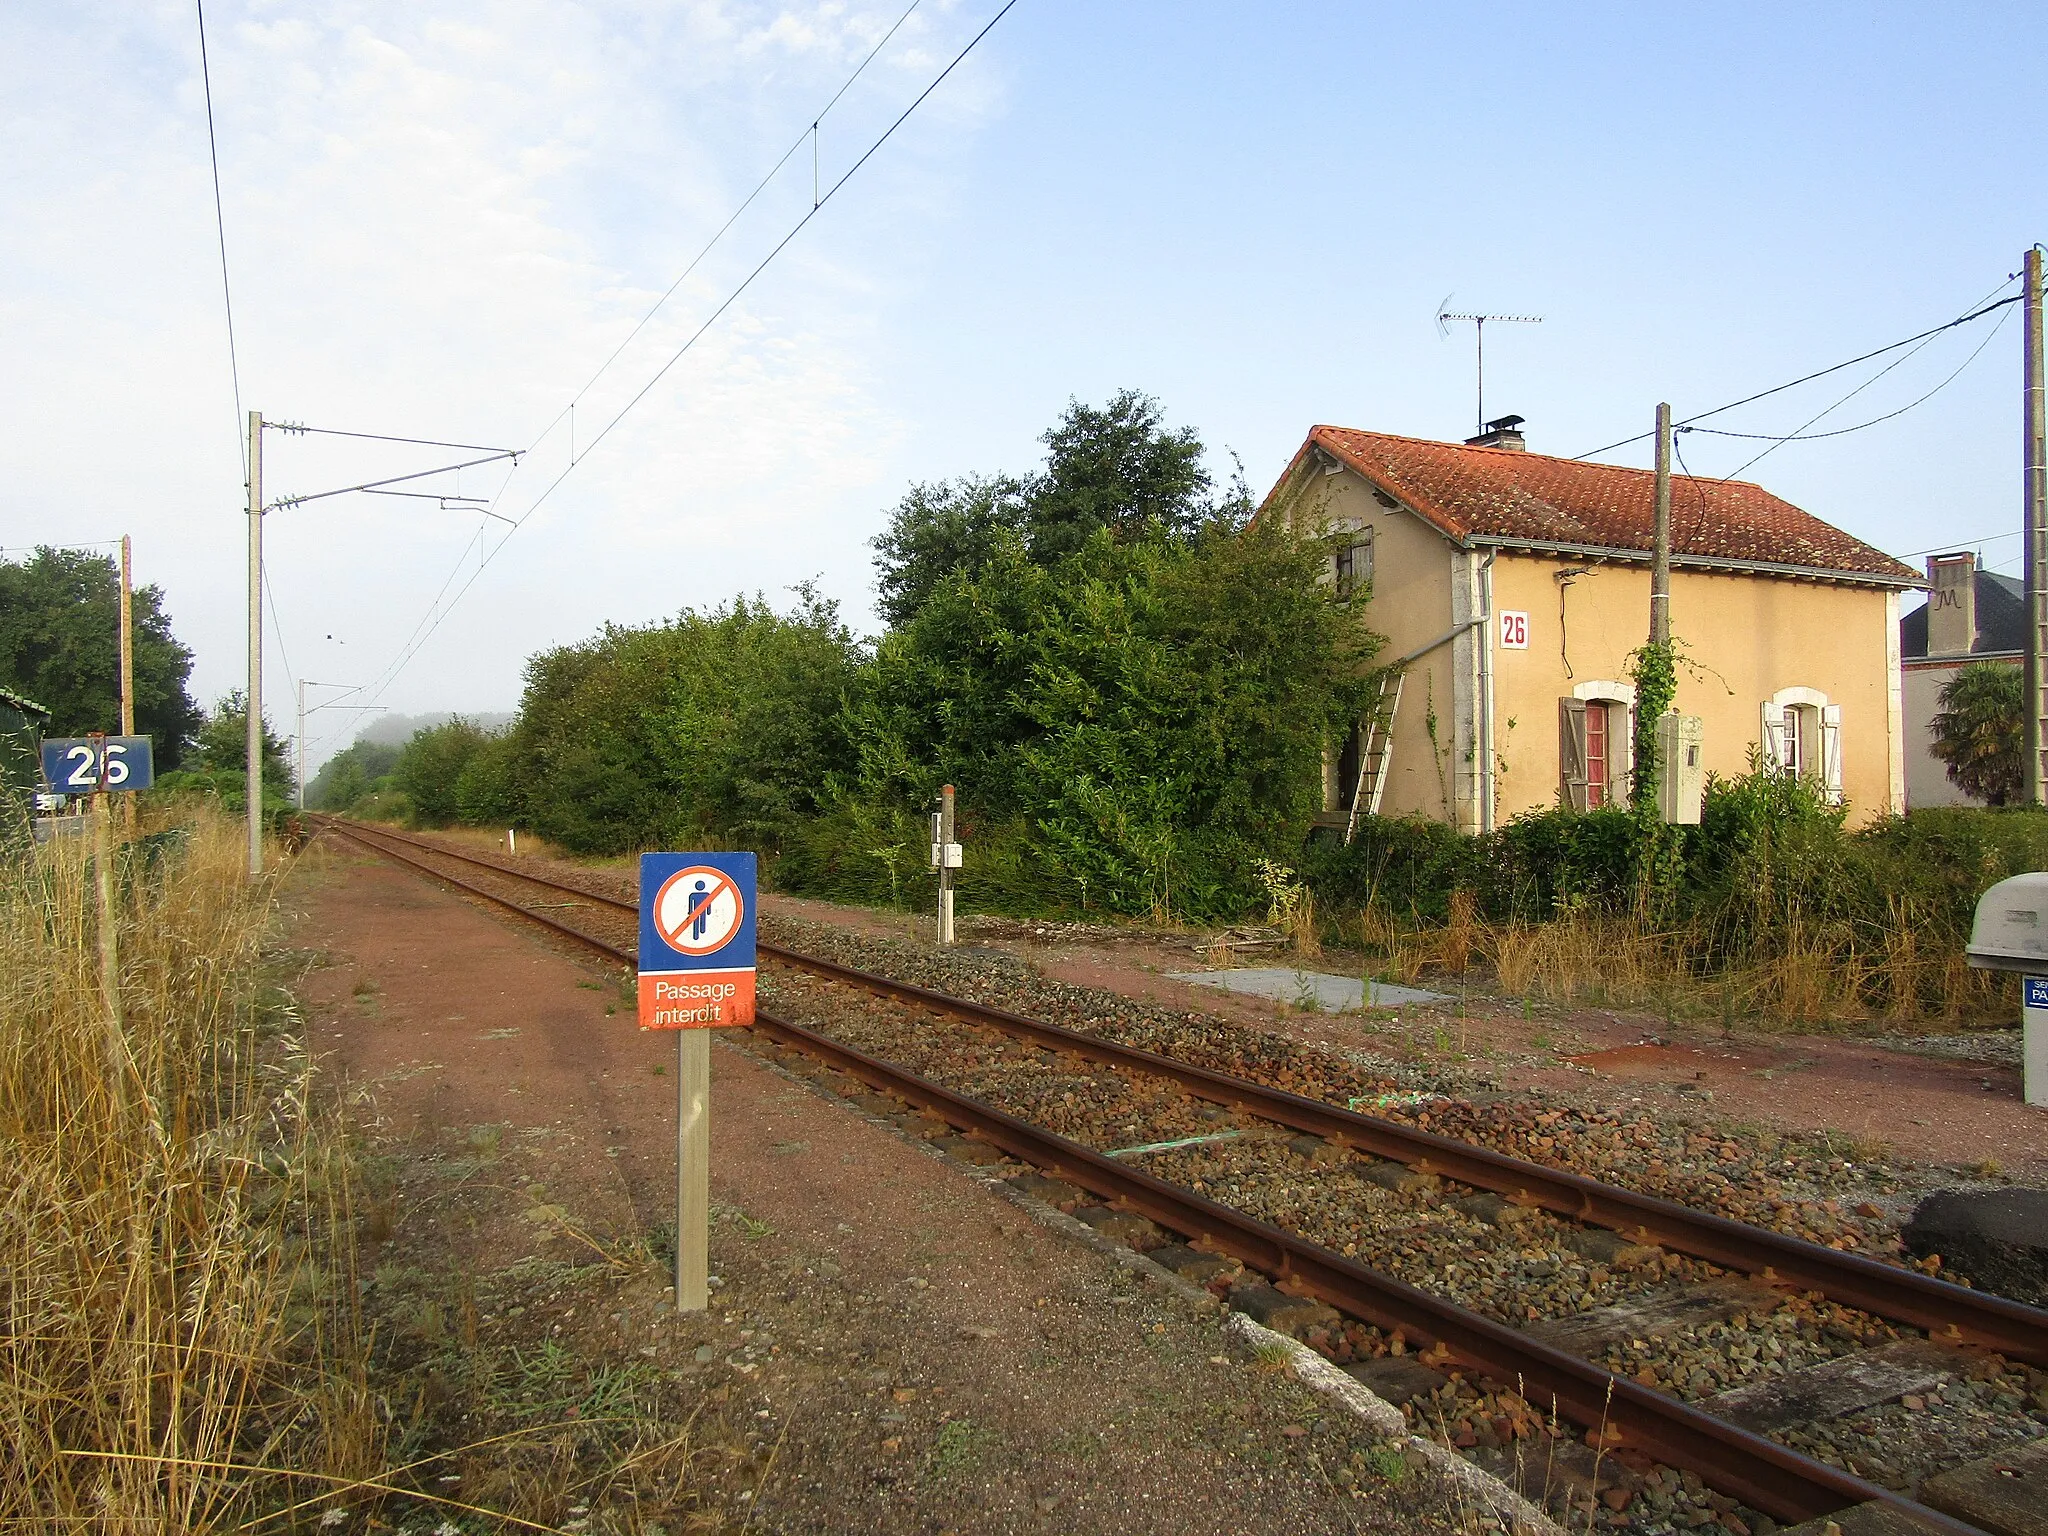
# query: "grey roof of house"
[2001,620]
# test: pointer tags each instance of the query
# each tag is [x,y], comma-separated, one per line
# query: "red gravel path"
[891,1283]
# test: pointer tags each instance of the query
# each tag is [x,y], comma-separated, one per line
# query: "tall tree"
[1981,731]
[60,643]
[1116,467]
[222,745]
[938,529]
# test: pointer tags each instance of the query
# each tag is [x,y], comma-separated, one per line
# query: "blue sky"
[442,217]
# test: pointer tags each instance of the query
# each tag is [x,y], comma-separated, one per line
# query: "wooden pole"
[2034,461]
[127,665]
[110,954]
[1660,546]
[693,1169]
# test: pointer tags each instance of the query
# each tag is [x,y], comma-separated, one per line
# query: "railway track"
[1646,1429]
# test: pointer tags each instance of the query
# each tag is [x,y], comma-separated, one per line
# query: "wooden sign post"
[696,975]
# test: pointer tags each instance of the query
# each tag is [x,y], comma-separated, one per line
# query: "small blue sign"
[78,765]
[2037,991]
[696,940]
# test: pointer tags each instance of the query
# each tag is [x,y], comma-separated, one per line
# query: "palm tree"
[1981,731]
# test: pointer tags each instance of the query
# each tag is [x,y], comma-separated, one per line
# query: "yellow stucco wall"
[1747,637]
[1410,606]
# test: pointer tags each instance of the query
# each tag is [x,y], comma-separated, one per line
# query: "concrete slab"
[1332,994]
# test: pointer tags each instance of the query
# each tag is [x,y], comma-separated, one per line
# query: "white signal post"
[945,859]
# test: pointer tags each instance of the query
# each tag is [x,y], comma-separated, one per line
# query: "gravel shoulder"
[1948,1103]
[893,1345]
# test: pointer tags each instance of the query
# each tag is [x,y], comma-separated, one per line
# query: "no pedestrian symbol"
[696,940]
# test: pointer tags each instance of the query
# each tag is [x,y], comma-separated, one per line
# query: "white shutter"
[1773,738]
[1571,754]
[1831,750]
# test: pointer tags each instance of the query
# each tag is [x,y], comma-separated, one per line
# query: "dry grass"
[175,1252]
[1814,973]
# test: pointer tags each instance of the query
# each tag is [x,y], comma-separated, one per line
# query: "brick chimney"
[1504,432]
[1952,605]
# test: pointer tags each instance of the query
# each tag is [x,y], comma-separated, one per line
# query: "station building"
[1513,587]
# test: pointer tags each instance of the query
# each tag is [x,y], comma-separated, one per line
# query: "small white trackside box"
[2011,931]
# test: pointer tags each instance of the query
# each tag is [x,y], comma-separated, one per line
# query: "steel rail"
[1946,1311]
[1762,1473]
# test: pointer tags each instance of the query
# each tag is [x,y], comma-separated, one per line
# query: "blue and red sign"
[696,940]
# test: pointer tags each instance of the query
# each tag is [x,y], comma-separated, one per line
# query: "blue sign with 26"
[82,765]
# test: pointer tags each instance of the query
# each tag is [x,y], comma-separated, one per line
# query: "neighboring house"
[1971,615]
[1512,588]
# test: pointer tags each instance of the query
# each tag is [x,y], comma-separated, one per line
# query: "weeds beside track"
[175,1240]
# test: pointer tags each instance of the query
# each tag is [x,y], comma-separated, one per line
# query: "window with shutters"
[1353,558]
[1594,743]
[1801,735]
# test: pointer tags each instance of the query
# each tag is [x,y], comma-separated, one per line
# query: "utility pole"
[2034,414]
[255,699]
[127,665]
[1660,544]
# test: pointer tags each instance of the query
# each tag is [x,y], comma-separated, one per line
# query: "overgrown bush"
[351,775]
[717,727]
[1773,902]
[1150,713]
[431,765]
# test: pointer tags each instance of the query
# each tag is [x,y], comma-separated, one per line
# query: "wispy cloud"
[440,223]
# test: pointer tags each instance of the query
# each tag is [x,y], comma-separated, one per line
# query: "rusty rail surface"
[1946,1311]
[1762,1473]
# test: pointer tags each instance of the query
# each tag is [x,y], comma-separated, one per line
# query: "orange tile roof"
[1508,496]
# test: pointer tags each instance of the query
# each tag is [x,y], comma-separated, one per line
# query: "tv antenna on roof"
[1443,319]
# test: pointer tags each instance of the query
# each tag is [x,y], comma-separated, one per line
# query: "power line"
[277,628]
[1965,542]
[1777,389]
[1803,436]
[1896,362]
[220,225]
[299,429]
[747,282]
[810,133]
[372,485]
[412,647]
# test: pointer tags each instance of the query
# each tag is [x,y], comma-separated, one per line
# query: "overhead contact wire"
[433,621]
